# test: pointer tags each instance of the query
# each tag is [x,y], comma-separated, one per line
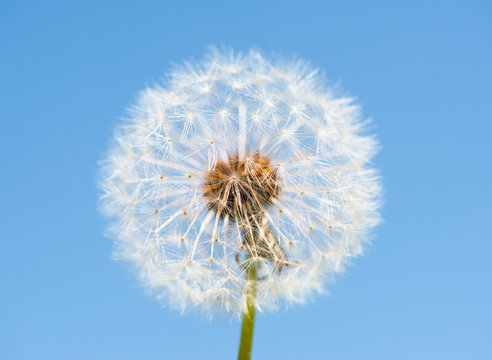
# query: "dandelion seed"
[232,190]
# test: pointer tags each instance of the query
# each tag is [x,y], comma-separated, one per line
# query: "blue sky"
[420,69]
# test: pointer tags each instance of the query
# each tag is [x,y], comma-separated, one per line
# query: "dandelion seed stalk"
[248,323]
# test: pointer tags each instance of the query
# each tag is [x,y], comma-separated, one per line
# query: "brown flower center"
[241,188]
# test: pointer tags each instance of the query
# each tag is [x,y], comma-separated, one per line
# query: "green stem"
[248,317]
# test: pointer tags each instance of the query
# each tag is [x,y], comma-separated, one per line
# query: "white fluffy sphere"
[238,159]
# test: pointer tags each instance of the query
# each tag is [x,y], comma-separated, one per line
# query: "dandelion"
[242,184]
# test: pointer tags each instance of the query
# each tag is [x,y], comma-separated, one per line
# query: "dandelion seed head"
[240,161]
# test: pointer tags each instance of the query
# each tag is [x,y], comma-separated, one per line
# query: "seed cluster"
[241,188]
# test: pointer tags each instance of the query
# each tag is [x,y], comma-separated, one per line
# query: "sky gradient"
[420,69]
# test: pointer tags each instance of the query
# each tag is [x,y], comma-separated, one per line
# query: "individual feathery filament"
[238,161]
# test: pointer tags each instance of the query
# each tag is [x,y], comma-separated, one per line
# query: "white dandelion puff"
[240,162]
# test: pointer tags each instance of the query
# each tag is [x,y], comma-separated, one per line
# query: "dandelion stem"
[248,324]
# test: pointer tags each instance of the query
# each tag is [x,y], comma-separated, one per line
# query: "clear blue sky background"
[421,69]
